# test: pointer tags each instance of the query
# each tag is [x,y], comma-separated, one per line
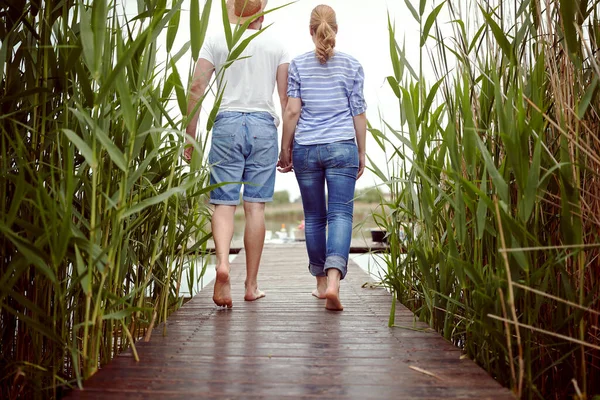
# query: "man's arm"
[360,127]
[202,75]
[282,84]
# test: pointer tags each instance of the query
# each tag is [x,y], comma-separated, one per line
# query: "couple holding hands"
[323,143]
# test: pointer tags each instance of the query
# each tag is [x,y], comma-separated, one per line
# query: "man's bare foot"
[252,293]
[332,294]
[222,291]
[319,292]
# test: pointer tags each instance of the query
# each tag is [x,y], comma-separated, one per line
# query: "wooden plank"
[358,246]
[288,346]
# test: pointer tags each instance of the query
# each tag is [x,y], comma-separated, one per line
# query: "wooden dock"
[287,346]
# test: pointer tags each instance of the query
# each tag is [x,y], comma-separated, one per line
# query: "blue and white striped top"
[331,94]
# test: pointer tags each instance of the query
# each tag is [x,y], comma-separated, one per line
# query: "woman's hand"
[361,164]
[285,161]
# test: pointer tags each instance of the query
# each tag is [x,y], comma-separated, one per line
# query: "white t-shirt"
[251,81]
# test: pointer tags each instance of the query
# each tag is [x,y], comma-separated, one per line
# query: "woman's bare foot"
[332,294]
[222,290]
[319,292]
[252,292]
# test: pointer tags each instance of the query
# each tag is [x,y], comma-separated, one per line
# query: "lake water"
[372,264]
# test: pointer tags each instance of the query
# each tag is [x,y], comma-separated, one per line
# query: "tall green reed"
[493,172]
[100,216]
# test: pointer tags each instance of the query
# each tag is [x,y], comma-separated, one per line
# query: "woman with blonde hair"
[324,133]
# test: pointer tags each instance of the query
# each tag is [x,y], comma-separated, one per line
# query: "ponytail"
[323,26]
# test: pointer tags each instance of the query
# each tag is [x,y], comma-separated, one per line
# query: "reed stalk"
[498,193]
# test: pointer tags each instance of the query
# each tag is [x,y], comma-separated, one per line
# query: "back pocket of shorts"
[220,148]
[264,147]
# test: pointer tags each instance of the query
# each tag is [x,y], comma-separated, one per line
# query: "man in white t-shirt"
[244,138]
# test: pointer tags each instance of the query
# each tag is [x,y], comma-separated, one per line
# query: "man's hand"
[361,164]
[188,152]
[285,161]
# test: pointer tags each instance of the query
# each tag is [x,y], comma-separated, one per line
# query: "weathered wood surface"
[288,346]
[357,246]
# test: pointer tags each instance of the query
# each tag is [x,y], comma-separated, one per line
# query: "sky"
[362,32]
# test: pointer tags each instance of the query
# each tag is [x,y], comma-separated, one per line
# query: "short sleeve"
[207,51]
[358,105]
[293,81]
[285,57]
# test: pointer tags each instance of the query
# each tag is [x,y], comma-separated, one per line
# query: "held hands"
[285,161]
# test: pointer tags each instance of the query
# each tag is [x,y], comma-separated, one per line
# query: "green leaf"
[195,28]
[99,14]
[119,315]
[111,148]
[122,62]
[404,61]
[226,26]
[376,170]
[3,50]
[215,110]
[499,35]
[179,90]
[475,39]
[18,196]
[394,53]
[533,180]
[157,199]
[410,117]
[82,146]
[182,52]
[497,179]
[587,98]
[429,100]
[482,206]
[203,26]
[422,7]
[172,29]
[429,23]
[122,86]
[30,252]
[82,271]
[87,40]
[412,10]
[237,52]
[568,13]
[113,151]
[394,86]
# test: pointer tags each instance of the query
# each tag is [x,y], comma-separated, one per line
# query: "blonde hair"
[323,26]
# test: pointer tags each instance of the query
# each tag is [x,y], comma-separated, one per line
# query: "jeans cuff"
[224,202]
[258,200]
[316,270]
[338,262]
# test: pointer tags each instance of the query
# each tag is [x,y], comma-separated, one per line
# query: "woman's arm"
[360,127]
[290,120]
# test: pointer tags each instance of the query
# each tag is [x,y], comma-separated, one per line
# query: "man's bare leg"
[254,239]
[319,292]
[222,228]
[333,290]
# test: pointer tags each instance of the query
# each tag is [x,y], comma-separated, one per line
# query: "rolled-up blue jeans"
[328,218]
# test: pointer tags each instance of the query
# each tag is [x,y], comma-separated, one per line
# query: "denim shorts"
[243,151]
